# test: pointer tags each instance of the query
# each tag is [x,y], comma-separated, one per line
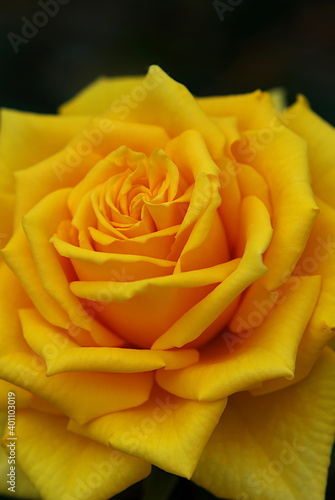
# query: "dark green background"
[260,44]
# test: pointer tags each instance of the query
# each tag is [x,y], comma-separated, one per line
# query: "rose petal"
[257,232]
[168,298]
[99,95]
[47,453]
[284,165]
[68,166]
[201,239]
[252,183]
[229,126]
[82,396]
[20,133]
[167,431]
[234,363]
[73,392]
[17,255]
[256,304]
[10,327]
[39,225]
[166,103]
[95,266]
[254,110]
[274,446]
[189,151]
[206,244]
[63,355]
[317,259]
[112,291]
[155,245]
[228,176]
[115,163]
[28,138]
[320,137]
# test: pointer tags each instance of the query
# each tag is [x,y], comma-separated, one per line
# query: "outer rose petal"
[10,329]
[65,466]
[87,147]
[168,104]
[255,237]
[63,355]
[19,260]
[46,280]
[320,137]
[284,165]
[26,139]
[96,97]
[274,446]
[73,393]
[234,364]
[317,259]
[6,218]
[81,395]
[167,431]
[254,110]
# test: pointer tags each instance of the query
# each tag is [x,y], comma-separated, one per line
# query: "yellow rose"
[168,266]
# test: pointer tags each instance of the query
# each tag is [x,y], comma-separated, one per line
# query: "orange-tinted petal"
[63,355]
[257,231]
[54,272]
[236,362]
